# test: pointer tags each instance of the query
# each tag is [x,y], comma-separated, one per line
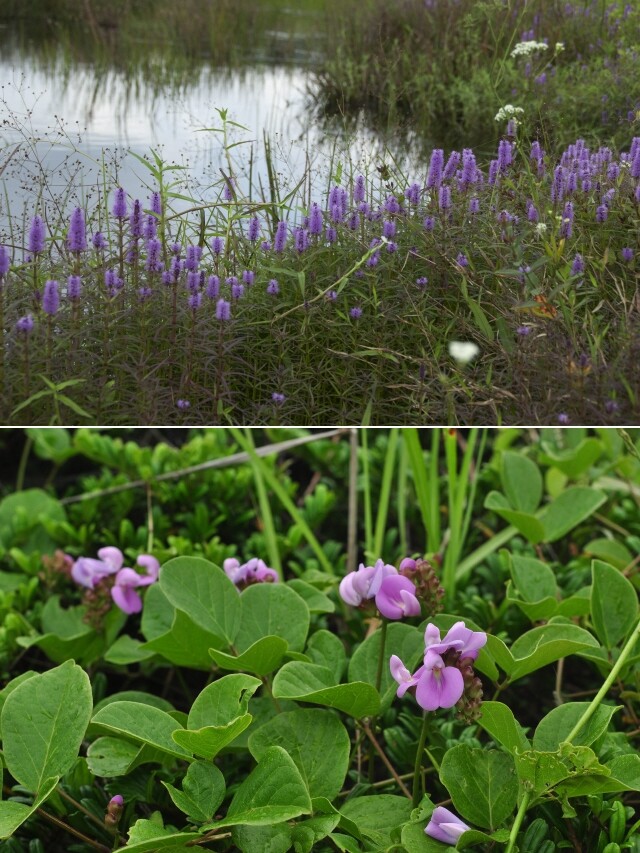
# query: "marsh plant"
[348,307]
[442,67]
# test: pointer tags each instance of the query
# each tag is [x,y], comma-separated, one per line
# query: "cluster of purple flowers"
[89,572]
[440,681]
[393,593]
[253,571]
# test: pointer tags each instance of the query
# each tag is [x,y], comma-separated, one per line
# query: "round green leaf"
[272,609]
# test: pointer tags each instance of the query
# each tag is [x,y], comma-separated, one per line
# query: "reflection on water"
[72,117]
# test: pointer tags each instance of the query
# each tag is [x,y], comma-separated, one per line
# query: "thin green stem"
[22,466]
[385,493]
[597,699]
[515,829]
[417,787]
[383,640]
[368,543]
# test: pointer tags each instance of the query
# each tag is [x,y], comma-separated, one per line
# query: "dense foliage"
[215,706]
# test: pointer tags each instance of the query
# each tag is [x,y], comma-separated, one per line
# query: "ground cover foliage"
[227,715]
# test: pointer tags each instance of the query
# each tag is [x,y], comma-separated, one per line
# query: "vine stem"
[597,699]
[383,642]
[417,792]
[515,829]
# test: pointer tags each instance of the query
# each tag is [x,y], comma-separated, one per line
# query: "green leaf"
[318,743]
[273,792]
[482,784]
[111,756]
[12,815]
[209,740]
[51,443]
[611,551]
[262,839]
[205,593]
[533,579]
[540,771]
[272,609]
[134,696]
[414,840]
[574,461]
[497,719]
[265,655]
[147,836]
[545,644]
[203,789]
[21,520]
[306,834]
[614,604]
[569,509]
[316,601]
[222,701]
[141,723]
[312,683]
[553,728]
[325,649]
[127,650]
[184,644]
[527,524]
[474,836]
[43,723]
[377,816]
[521,481]
[405,641]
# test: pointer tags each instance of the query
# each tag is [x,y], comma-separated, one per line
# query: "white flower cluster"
[463,351]
[559,46]
[508,112]
[541,229]
[526,48]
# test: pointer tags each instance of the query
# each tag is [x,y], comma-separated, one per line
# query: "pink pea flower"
[364,584]
[397,598]
[254,571]
[88,572]
[445,826]
[123,592]
[438,685]
[402,675]
[458,637]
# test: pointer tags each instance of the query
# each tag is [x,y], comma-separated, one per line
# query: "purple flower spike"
[5,261]
[51,298]
[99,241]
[397,598]
[36,236]
[280,239]
[445,826]
[25,324]
[74,287]
[402,675]
[438,686]
[183,405]
[254,229]
[77,238]
[119,209]
[223,310]
[278,398]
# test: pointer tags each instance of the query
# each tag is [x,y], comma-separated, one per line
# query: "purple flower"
[429,223]
[248,277]
[355,312]
[523,331]
[273,289]
[223,310]
[451,165]
[254,229]
[213,287]
[577,266]
[74,287]
[564,419]
[217,245]
[462,260]
[359,190]
[412,194]
[359,586]
[627,254]
[113,282]
[155,203]
[438,685]
[87,571]
[192,258]
[50,298]
[25,324]
[153,262]
[536,151]
[254,571]
[436,165]
[280,239]
[602,212]
[331,235]
[278,398]
[422,281]
[119,209]
[183,405]
[36,235]
[388,229]
[5,261]
[301,239]
[445,826]
[474,205]
[401,674]
[77,238]
[195,300]
[123,592]
[237,289]
[460,638]
[505,154]
[99,241]
[444,197]
[135,220]
[316,223]
[397,598]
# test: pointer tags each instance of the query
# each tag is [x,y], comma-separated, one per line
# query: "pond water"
[77,100]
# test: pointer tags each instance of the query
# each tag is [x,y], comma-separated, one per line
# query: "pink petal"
[112,556]
[410,604]
[347,591]
[126,598]
[128,577]
[151,565]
